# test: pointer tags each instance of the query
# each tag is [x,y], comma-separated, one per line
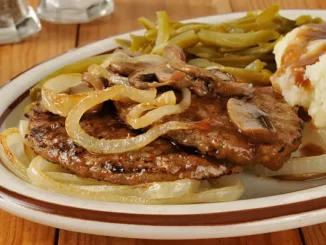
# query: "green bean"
[242,75]
[183,40]
[236,40]
[151,34]
[149,25]
[204,51]
[176,25]
[268,14]
[146,49]
[242,46]
[195,27]
[229,50]
[258,50]
[219,28]
[236,61]
[163,23]
[256,65]
[245,19]
[305,19]
[137,42]
[123,42]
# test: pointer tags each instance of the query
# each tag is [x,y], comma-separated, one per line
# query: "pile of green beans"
[236,46]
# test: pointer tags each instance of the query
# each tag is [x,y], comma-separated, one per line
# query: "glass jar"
[17,21]
[73,11]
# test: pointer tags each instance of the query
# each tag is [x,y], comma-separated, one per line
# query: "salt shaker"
[17,21]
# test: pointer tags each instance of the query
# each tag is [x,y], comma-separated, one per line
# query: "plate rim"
[321,205]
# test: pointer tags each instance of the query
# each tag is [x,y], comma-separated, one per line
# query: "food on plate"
[172,119]
[262,129]
[235,46]
[300,76]
[158,161]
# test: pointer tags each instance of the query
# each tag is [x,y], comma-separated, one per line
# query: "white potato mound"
[312,98]
[317,75]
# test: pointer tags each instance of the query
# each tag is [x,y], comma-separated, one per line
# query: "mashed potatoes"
[301,70]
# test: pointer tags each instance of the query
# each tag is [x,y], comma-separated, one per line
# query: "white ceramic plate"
[266,206]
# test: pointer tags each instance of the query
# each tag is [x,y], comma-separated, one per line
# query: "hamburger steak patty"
[158,161]
[262,129]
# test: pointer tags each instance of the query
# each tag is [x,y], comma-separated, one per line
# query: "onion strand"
[41,174]
[54,96]
[136,121]
[294,166]
[95,145]
[12,152]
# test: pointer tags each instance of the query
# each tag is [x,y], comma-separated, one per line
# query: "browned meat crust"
[159,161]
[223,140]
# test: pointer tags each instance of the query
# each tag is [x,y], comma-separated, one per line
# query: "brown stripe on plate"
[12,106]
[225,218]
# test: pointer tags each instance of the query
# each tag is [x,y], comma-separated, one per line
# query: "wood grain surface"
[56,39]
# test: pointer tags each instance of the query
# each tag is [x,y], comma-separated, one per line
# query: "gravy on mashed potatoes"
[301,70]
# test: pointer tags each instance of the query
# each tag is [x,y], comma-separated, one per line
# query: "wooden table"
[56,39]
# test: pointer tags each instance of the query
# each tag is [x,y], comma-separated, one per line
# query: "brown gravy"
[303,114]
[296,56]
[311,149]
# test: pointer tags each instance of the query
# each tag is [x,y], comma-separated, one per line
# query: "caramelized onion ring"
[54,96]
[53,177]
[295,166]
[93,144]
[15,160]
[152,116]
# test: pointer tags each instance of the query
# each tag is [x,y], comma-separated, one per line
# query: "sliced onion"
[23,127]
[119,80]
[54,98]
[256,187]
[173,189]
[81,88]
[224,189]
[227,188]
[152,116]
[23,130]
[93,81]
[295,166]
[93,144]
[58,102]
[37,174]
[69,178]
[12,152]
[70,184]
[167,98]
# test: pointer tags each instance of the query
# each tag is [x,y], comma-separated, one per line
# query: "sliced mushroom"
[151,71]
[224,85]
[251,121]
[163,75]
[152,77]
[94,81]
[124,63]
[174,53]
